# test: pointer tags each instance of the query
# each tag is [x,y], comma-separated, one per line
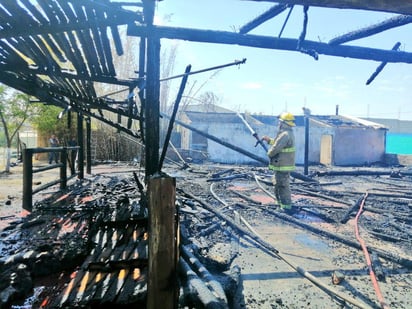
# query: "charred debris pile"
[87,246]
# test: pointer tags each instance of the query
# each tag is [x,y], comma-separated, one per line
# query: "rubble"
[87,246]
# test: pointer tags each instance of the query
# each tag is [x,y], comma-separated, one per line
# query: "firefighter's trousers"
[281,181]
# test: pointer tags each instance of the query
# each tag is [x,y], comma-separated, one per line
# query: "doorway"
[326,150]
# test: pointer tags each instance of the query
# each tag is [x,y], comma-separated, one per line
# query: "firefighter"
[282,160]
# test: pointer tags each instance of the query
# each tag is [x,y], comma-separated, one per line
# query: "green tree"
[47,122]
[15,109]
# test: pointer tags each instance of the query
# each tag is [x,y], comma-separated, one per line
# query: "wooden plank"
[93,19]
[87,41]
[134,288]
[114,268]
[122,258]
[102,240]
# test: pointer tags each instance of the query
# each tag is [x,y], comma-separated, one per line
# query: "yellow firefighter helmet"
[287,118]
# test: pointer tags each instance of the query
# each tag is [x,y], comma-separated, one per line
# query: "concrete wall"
[358,146]
[394,125]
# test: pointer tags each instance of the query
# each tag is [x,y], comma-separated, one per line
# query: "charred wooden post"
[163,236]
[28,173]
[152,106]
[81,144]
[63,169]
[163,243]
[306,171]
[88,146]
[142,92]
[27,179]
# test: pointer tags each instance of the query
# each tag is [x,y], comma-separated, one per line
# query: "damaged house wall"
[358,146]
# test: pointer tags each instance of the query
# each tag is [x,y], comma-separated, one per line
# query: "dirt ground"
[296,272]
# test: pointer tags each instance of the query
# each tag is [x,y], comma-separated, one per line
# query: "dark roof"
[322,120]
[345,121]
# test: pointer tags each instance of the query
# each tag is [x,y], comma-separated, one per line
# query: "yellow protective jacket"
[282,150]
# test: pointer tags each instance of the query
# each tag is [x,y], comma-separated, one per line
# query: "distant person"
[72,155]
[53,142]
[282,160]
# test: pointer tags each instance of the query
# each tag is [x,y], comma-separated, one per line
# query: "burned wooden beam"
[152,106]
[225,171]
[122,17]
[391,256]
[302,36]
[173,117]
[394,6]
[381,66]
[272,12]
[377,267]
[309,192]
[235,176]
[231,222]
[267,42]
[353,173]
[390,23]
[218,140]
[210,280]
[197,291]
[238,149]
[351,210]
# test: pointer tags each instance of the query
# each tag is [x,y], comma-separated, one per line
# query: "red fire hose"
[367,257]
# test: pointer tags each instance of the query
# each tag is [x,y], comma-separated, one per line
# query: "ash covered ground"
[257,256]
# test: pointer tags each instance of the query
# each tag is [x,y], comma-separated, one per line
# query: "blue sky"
[272,81]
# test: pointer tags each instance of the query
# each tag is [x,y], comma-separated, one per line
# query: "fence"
[28,172]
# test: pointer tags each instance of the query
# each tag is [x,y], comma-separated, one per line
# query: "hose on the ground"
[367,256]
